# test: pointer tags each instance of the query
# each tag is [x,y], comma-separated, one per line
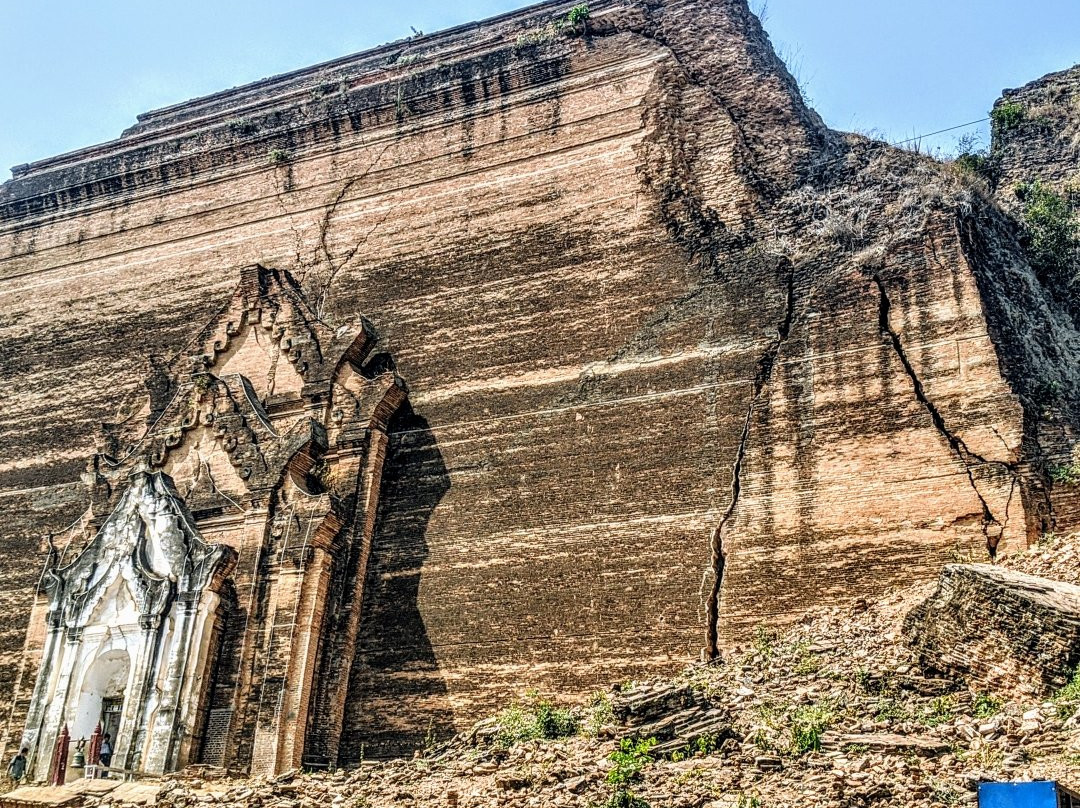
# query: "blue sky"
[76,72]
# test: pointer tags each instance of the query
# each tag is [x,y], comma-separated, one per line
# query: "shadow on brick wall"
[397,696]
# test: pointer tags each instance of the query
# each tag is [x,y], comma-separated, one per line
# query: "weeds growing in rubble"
[986,706]
[704,746]
[765,641]
[630,759]
[890,709]
[941,710]
[598,714]
[944,793]
[1067,698]
[808,724]
[808,662]
[535,719]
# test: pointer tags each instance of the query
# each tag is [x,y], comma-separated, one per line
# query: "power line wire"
[941,131]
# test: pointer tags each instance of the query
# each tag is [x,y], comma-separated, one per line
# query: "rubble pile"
[1055,556]
[833,712]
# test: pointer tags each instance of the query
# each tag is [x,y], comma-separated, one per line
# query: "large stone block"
[999,629]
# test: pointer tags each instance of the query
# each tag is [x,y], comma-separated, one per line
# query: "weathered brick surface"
[650,311]
[999,628]
[1045,143]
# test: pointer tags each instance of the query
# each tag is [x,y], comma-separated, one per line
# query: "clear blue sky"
[76,72]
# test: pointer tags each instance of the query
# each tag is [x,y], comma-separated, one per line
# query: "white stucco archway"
[107,677]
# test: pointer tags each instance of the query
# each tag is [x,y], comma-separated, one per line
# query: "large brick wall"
[680,359]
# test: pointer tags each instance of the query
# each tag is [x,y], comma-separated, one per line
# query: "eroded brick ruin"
[679,358]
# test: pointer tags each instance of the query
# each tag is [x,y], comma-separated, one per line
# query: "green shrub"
[555,722]
[976,164]
[536,719]
[578,15]
[277,156]
[808,724]
[1007,116]
[972,161]
[1052,229]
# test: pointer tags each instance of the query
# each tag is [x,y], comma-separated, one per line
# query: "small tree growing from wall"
[578,17]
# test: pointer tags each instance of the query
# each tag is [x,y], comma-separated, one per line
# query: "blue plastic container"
[1043,794]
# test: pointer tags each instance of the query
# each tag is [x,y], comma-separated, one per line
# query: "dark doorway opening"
[110,717]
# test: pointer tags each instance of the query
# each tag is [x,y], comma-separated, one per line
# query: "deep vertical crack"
[970,459]
[718,555]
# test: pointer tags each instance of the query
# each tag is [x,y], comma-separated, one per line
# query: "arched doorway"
[101,695]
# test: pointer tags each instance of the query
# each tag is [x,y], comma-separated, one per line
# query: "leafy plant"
[1053,232]
[748,801]
[1006,117]
[578,15]
[808,724]
[537,718]
[940,711]
[278,156]
[630,759]
[986,706]
[1065,474]
[705,745]
[599,713]
[1067,698]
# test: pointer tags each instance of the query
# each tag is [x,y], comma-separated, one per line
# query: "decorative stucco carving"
[224,510]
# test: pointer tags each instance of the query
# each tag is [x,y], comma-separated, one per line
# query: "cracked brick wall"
[681,359]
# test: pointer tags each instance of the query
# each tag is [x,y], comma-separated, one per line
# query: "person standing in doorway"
[106,750]
[17,767]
